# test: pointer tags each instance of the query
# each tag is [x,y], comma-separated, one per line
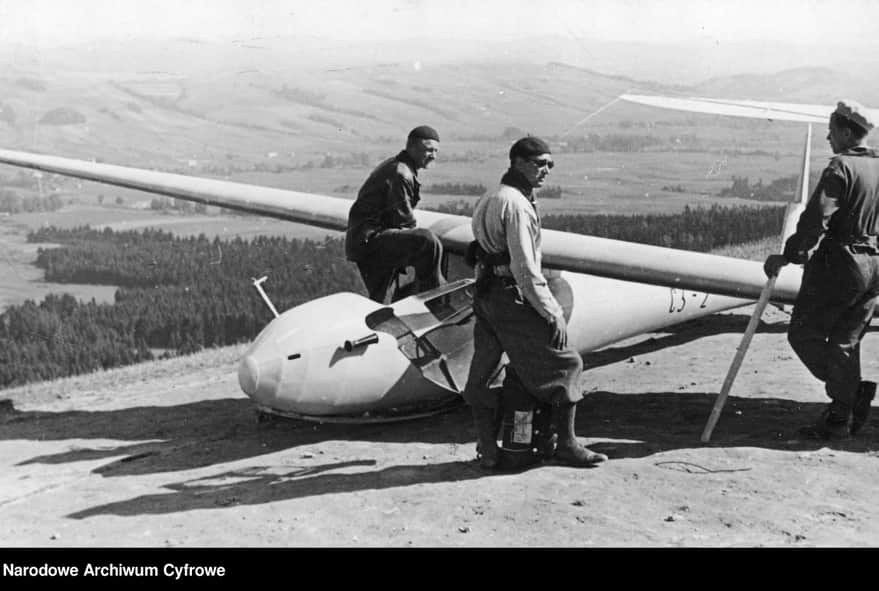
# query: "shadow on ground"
[623,425]
[187,436]
[215,432]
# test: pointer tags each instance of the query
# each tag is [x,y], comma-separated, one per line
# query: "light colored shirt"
[507,221]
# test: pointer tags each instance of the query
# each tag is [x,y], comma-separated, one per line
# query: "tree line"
[476,189]
[182,294]
[12,202]
[782,189]
[179,294]
[611,142]
[696,228]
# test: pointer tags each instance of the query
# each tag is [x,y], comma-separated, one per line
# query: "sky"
[49,23]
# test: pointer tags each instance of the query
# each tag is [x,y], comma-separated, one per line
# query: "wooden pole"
[790,220]
[738,358]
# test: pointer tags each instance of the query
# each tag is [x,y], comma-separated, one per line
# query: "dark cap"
[856,113]
[528,147]
[423,132]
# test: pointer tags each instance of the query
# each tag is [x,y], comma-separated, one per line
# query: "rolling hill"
[186,101]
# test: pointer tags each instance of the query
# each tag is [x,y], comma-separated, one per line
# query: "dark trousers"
[833,310]
[393,249]
[506,322]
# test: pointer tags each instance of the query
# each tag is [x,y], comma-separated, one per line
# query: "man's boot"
[486,422]
[570,451]
[863,403]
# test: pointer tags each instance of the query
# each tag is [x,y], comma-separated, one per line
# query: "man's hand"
[559,339]
[773,264]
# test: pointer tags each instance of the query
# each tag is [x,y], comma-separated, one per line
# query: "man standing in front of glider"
[517,314]
[840,283]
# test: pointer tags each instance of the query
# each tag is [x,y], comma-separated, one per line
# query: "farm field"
[592,183]
[122,219]
[21,280]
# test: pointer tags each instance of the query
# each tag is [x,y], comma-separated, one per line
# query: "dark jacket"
[386,200]
[844,205]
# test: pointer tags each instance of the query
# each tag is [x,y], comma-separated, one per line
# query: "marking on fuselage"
[673,306]
[704,303]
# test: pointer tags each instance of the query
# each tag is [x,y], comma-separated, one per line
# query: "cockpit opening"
[433,331]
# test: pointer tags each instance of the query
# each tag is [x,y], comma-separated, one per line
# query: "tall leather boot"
[570,451]
[486,422]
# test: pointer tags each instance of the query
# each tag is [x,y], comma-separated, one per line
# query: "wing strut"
[787,230]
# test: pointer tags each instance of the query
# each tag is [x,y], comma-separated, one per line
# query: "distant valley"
[215,109]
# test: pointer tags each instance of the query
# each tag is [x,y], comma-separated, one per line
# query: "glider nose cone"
[255,375]
[248,375]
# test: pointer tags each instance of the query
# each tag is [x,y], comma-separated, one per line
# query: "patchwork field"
[592,183]
[21,280]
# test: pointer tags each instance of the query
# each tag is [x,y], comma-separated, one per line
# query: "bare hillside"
[171,455]
[190,102]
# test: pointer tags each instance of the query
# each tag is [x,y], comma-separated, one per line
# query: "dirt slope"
[171,454]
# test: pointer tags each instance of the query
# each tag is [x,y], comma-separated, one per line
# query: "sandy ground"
[171,454]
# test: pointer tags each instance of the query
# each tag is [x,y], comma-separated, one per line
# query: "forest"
[12,202]
[782,189]
[178,295]
[701,229]
[475,189]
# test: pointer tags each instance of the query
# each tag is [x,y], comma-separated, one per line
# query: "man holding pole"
[840,283]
